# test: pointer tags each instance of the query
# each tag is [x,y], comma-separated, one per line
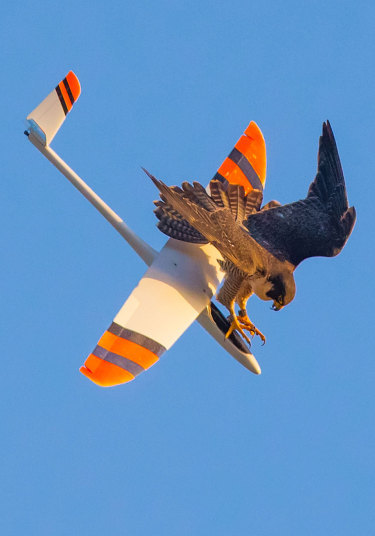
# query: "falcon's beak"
[276,306]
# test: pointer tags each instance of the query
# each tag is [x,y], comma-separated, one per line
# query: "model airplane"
[181,279]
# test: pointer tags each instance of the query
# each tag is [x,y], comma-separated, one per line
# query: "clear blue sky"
[198,445]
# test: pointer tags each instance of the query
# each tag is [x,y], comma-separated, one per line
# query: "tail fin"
[246,164]
[48,117]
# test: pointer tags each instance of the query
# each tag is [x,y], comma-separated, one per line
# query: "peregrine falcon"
[261,247]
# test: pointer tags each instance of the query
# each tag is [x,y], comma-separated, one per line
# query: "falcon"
[261,247]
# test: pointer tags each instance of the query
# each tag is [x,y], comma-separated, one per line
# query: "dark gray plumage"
[316,226]
[261,247]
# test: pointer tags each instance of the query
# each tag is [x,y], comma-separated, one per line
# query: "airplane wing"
[46,119]
[177,287]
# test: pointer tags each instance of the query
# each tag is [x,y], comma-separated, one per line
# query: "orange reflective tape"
[104,373]
[244,145]
[256,151]
[131,350]
[246,164]
[65,96]
[232,173]
[74,85]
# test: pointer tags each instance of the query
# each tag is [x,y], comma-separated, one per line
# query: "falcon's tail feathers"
[237,201]
[218,194]
[233,197]
[254,201]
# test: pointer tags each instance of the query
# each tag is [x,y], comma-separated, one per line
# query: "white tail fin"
[48,117]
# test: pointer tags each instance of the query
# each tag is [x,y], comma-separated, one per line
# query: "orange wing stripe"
[104,373]
[117,360]
[128,349]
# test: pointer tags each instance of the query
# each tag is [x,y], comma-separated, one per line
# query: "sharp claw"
[248,325]
[236,325]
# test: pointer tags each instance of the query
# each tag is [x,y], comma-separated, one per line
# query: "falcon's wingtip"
[147,172]
[327,130]
[349,219]
[154,179]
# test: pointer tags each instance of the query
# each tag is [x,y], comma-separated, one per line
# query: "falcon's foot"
[246,323]
[236,325]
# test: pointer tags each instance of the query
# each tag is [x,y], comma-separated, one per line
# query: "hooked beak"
[276,306]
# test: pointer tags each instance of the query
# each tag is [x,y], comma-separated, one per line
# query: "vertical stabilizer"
[47,118]
[246,164]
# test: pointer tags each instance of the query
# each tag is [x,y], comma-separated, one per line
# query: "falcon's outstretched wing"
[316,226]
[174,225]
[215,223]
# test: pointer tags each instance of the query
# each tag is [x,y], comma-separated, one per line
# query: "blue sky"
[198,445]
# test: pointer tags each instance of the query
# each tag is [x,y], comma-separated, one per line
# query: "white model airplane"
[181,279]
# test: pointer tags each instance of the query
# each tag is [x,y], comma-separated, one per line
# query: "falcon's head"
[279,287]
[282,289]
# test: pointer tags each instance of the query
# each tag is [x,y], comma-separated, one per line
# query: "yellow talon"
[236,325]
[248,325]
